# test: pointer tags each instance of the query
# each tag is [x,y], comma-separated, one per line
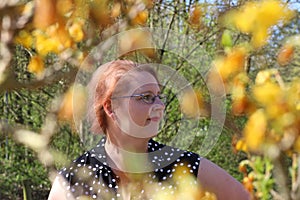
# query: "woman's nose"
[159,104]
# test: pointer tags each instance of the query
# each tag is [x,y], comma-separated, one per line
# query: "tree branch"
[11,84]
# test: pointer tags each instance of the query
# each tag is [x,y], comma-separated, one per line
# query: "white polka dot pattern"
[90,175]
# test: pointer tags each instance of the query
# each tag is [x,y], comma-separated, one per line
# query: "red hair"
[101,87]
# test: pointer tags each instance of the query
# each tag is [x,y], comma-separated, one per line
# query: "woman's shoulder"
[171,150]
[167,159]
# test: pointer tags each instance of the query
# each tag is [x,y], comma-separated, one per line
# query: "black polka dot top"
[89,175]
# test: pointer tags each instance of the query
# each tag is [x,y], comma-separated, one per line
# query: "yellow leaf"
[44,44]
[259,37]
[241,145]
[24,38]
[36,66]
[298,106]
[255,130]
[256,18]
[62,37]
[268,13]
[263,77]
[244,18]
[268,93]
[76,31]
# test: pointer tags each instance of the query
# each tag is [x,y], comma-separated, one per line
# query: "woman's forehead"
[151,87]
[140,78]
[144,76]
[139,81]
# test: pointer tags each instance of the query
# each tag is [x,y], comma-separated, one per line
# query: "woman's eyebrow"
[150,91]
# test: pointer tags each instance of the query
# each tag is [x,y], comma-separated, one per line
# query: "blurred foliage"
[28,109]
[254,46]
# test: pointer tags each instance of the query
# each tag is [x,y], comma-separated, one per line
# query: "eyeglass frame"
[160,96]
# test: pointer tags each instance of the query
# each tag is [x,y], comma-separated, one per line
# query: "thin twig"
[169,29]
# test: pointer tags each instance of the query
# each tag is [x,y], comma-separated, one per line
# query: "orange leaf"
[64,6]
[285,55]
[99,11]
[195,16]
[45,13]
[73,104]
[231,64]
[192,104]
[140,18]
[248,184]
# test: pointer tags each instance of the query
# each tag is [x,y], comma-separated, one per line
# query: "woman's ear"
[108,109]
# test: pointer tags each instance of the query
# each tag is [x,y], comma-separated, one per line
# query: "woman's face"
[136,115]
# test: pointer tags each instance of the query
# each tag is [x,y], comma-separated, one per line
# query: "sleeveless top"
[90,175]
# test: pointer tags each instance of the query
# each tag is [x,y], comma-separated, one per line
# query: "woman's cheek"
[139,115]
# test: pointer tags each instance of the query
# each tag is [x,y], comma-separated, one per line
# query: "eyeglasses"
[148,98]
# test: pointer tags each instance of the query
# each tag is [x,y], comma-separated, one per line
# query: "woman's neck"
[127,143]
[125,158]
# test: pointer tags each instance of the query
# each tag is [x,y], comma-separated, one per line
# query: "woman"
[127,164]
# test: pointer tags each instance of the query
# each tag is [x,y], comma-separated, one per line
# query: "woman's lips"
[155,119]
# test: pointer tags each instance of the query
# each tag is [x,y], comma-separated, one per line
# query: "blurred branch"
[11,84]
[276,196]
[296,182]
[280,175]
